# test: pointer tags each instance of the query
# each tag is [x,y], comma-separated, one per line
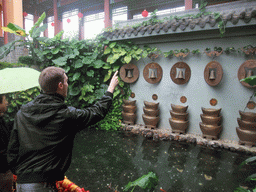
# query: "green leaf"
[78,63]
[90,73]
[112,45]
[58,36]
[5,49]
[144,54]
[76,76]
[49,56]
[127,59]
[100,92]
[112,58]
[66,68]
[37,24]
[87,60]
[250,80]
[116,93]
[73,90]
[139,51]
[106,66]
[45,52]
[55,50]
[98,64]
[37,31]
[108,75]
[251,177]
[148,181]
[107,51]
[13,28]
[61,61]
[249,160]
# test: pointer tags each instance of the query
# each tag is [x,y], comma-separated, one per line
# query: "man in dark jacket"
[6,177]
[41,142]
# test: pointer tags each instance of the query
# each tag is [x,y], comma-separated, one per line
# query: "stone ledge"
[167,135]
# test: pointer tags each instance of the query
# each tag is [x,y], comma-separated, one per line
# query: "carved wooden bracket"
[213,53]
[181,55]
[249,51]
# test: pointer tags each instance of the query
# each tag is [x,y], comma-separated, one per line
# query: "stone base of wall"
[167,135]
[14,55]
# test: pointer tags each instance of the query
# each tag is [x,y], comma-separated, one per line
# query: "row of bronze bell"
[153,75]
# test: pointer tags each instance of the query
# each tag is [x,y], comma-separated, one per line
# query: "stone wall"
[14,55]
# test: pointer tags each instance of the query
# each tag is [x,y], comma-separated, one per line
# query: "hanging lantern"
[68,20]
[25,14]
[80,15]
[52,24]
[144,13]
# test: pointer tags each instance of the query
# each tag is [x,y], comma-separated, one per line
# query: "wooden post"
[108,22]
[55,13]
[5,20]
[81,28]
[188,4]
[1,24]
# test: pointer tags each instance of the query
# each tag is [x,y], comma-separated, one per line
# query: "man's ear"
[60,85]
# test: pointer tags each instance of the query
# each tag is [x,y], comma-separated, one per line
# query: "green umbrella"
[18,79]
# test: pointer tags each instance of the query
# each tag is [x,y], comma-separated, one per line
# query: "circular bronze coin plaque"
[180,73]
[132,95]
[213,73]
[244,70]
[251,105]
[153,73]
[183,99]
[129,73]
[213,102]
[154,97]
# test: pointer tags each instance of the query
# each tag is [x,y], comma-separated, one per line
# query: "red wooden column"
[1,24]
[55,13]
[108,21]
[81,28]
[188,4]
[36,17]
[5,20]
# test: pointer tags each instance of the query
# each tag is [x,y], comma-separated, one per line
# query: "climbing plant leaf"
[148,181]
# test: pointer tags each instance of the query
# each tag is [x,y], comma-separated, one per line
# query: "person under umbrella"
[6,177]
[11,80]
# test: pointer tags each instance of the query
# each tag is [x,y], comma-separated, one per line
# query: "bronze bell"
[129,74]
[152,75]
[180,75]
[212,75]
[249,73]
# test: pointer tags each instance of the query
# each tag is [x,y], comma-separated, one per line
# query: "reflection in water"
[208,162]
[102,158]
[150,150]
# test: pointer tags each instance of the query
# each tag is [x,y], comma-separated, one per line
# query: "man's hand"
[113,83]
